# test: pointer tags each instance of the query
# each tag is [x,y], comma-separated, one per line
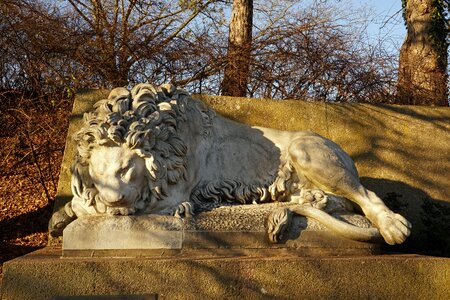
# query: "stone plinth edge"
[198,275]
[240,228]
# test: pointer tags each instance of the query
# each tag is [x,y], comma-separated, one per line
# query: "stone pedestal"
[45,274]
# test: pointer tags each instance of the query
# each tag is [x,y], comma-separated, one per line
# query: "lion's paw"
[277,222]
[315,198]
[185,209]
[393,227]
[60,219]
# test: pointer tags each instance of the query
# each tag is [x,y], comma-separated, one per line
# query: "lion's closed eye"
[126,174]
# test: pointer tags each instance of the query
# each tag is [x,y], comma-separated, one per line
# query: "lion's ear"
[79,181]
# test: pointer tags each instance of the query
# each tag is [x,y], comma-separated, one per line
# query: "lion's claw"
[315,198]
[60,219]
[185,209]
[277,222]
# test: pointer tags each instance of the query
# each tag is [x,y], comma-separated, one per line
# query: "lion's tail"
[340,227]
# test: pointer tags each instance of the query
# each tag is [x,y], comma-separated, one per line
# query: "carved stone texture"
[215,229]
[155,150]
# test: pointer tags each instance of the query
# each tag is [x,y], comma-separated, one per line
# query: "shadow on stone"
[430,217]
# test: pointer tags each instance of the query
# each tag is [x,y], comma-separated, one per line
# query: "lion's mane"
[145,120]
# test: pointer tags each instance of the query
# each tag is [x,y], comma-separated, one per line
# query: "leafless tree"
[101,42]
[122,34]
[36,47]
[319,53]
[311,52]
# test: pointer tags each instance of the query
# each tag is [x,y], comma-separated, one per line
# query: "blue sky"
[387,21]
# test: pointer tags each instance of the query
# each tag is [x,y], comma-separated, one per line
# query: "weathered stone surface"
[44,275]
[223,227]
[252,217]
[127,232]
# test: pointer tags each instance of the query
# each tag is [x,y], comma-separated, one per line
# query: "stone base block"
[236,228]
[45,274]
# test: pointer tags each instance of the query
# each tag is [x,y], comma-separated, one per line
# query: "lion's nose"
[111,198]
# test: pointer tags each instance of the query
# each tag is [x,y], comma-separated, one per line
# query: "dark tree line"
[274,49]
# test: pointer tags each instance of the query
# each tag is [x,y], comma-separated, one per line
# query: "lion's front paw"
[60,219]
[393,227]
[277,222]
[185,209]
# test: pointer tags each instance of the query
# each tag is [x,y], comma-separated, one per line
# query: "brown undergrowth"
[32,137]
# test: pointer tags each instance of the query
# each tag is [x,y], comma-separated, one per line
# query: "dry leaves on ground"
[32,136]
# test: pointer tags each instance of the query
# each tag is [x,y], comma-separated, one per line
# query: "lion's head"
[129,150]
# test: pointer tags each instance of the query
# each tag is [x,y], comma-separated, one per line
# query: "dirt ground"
[32,138]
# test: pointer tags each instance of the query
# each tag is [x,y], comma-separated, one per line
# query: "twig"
[33,151]
[24,157]
[7,155]
[391,17]
[38,166]
[49,154]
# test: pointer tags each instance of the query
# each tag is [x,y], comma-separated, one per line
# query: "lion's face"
[130,150]
[118,174]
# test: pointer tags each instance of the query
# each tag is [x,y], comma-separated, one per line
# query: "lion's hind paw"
[394,228]
[316,198]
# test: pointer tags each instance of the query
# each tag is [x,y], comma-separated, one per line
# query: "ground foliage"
[33,133]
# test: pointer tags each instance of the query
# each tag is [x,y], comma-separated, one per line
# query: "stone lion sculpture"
[157,150]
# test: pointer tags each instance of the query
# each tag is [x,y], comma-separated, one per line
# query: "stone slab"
[201,275]
[124,232]
[110,297]
[226,226]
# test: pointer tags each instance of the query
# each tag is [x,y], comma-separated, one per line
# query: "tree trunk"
[422,76]
[239,46]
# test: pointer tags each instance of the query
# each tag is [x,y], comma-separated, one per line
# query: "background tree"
[69,44]
[122,34]
[422,76]
[31,52]
[319,52]
[239,47]
[315,50]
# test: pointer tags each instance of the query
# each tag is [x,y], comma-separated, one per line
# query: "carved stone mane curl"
[144,120]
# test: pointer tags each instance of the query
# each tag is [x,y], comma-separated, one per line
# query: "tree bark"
[422,76]
[239,46]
